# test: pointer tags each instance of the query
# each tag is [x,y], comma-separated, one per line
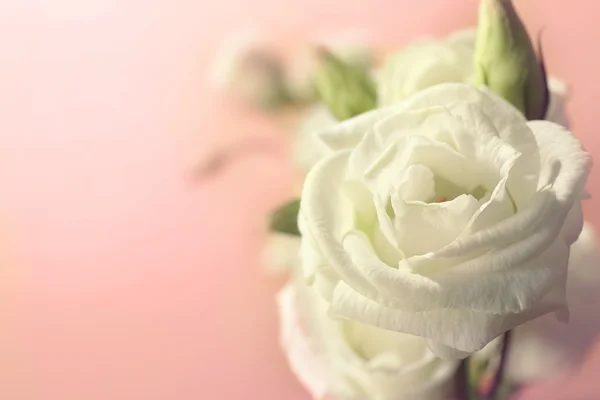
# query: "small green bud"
[285,218]
[505,59]
[346,89]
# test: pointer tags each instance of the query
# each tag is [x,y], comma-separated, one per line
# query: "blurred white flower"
[544,348]
[424,63]
[352,361]
[280,252]
[431,61]
[308,149]
[247,66]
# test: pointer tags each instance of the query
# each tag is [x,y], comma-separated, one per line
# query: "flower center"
[446,190]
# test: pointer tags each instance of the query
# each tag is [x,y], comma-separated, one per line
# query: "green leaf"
[285,218]
[346,89]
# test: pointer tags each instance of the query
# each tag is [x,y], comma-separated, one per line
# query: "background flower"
[431,61]
[545,348]
[424,63]
[350,360]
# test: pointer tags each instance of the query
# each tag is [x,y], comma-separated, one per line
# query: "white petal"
[507,120]
[468,286]
[347,134]
[310,257]
[565,164]
[385,222]
[423,63]
[513,229]
[464,37]
[557,107]
[461,330]
[566,167]
[302,356]
[573,224]
[496,206]
[416,183]
[307,146]
[349,360]
[329,216]
[422,228]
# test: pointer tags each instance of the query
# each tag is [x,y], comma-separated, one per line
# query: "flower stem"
[499,376]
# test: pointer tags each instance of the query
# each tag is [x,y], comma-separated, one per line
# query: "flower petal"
[301,354]
[466,331]
[308,148]
[328,216]
[565,165]
[467,286]
[422,228]
[281,252]
[349,133]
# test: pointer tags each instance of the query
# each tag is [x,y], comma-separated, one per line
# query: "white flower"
[424,63]
[447,216]
[308,148]
[545,348]
[247,66]
[349,360]
[431,61]
[280,252]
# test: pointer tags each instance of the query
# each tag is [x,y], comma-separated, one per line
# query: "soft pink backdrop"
[120,278]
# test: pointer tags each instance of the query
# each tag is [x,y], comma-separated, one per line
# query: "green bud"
[285,218]
[346,89]
[505,59]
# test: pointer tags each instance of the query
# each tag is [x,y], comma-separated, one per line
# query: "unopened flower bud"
[505,59]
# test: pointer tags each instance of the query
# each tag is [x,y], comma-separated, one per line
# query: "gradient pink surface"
[121,278]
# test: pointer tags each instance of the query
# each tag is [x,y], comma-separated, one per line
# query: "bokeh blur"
[124,274]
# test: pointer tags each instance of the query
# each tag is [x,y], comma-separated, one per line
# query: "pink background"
[120,278]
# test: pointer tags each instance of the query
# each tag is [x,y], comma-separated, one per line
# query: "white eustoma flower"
[425,63]
[446,216]
[431,61]
[308,149]
[347,360]
[280,251]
